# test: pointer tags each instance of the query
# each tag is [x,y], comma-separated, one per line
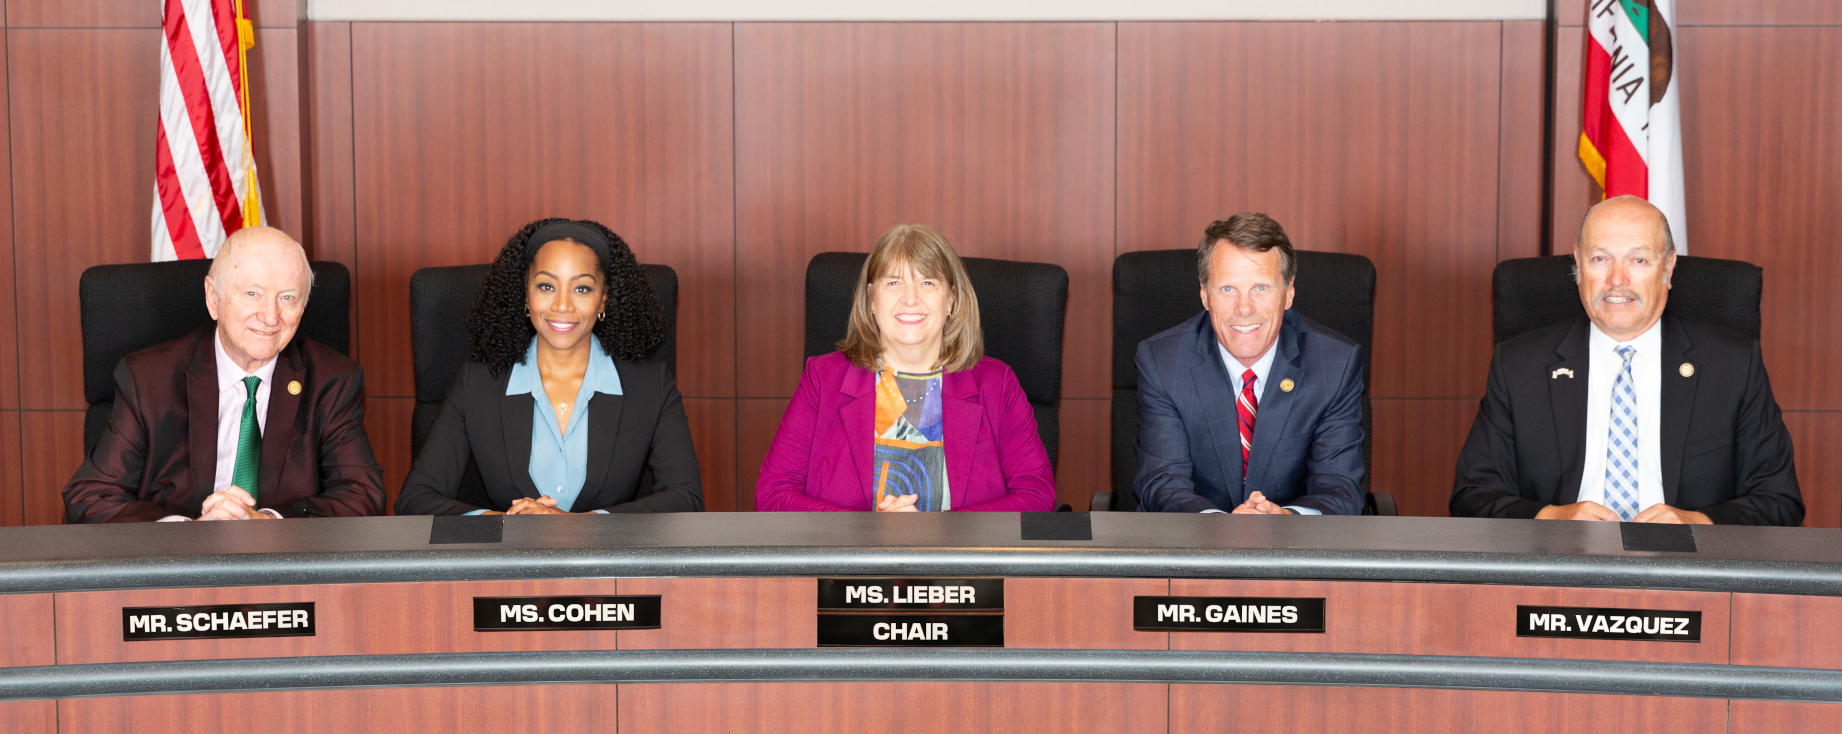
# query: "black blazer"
[1725,451]
[629,434]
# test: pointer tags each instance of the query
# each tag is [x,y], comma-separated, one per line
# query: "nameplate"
[911,630]
[1590,623]
[1227,614]
[930,594]
[507,613]
[294,619]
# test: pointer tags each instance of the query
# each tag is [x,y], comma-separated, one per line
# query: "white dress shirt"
[1262,367]
[1602,372]
[231,394]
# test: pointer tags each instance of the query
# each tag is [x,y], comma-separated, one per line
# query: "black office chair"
[127,308]
[439,299]
[1022,307]
[1155,290]
[1532,292]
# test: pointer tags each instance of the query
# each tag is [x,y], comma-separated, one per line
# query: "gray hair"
[250,235]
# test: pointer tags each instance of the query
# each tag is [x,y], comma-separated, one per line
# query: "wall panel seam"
[13,252]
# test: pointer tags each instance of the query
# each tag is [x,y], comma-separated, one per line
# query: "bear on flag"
[1631,138]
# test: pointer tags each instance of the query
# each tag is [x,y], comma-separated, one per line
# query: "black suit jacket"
[158,456]
[1724,448]
[642,431]
[1307,447]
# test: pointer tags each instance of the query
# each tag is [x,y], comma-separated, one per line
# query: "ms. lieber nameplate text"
[946,595]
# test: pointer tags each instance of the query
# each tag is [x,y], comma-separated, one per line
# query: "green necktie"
[249,442]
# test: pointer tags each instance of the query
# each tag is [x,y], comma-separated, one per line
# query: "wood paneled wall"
[733,152]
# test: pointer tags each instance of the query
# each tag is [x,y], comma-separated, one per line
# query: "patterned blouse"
[911,455]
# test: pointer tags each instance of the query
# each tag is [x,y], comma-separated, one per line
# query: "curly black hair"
[499,328]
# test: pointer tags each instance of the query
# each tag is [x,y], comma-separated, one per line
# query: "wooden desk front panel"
[462,709]
[1078,614]
[909,707]
[1787,631]
[350,619]
[29,717]
[1455,619]
[1778,717]
[1199,709]
[914,708]
[28,637]
[728,613]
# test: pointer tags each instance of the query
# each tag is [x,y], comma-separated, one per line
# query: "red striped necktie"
[1247,406]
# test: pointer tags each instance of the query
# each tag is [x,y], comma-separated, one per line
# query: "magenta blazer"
[821,458]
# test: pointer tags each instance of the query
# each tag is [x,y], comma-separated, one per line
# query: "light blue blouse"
[559,454]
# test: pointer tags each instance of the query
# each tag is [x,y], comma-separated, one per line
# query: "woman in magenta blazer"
[909,415]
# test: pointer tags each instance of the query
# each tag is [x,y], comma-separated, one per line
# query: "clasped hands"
[1657,513]
[231,504]
[545,505]
[1258,504]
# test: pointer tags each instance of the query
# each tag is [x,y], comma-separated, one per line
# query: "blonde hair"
[926,250]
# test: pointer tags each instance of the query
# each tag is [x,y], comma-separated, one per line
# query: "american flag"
[204,168]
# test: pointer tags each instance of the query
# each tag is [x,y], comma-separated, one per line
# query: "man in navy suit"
[1248,407]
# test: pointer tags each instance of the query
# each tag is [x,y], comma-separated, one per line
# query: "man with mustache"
[1628,414]
[1249,407]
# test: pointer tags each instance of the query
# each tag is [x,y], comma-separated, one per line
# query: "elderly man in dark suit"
[1626,413]
[1249,407]
[240,421]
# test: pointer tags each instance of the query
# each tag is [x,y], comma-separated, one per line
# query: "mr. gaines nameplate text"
[1227,614]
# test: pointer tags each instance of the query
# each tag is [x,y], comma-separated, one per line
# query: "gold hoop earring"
[601,315]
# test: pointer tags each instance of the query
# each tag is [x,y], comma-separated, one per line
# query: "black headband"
[569,230]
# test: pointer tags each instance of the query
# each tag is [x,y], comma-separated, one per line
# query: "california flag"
[1631,140]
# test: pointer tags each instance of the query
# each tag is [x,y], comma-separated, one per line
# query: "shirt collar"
[601,376]
[229,374]
[1261,367]
[1649,343]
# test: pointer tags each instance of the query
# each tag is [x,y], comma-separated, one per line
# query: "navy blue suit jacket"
[1307,448]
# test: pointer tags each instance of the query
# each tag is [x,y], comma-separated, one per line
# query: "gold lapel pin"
[294,387]
[1687,370]
[1286,385]
[1562,371]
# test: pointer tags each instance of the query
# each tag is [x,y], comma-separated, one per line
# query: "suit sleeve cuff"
[1304,510]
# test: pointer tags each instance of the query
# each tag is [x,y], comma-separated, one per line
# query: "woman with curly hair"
[909,415]
[559,407]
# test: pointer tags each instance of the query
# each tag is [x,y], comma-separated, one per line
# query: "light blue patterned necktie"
[1621,446]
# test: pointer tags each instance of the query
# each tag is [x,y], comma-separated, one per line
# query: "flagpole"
[252,197]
